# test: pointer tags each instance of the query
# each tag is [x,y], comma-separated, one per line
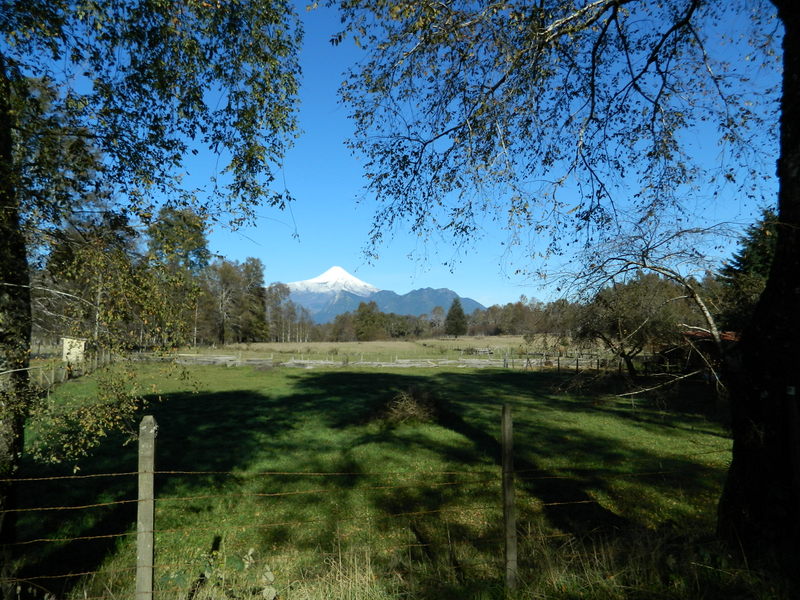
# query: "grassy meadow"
[390,350]
[385,483]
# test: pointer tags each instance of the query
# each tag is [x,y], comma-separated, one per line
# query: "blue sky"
[329,222]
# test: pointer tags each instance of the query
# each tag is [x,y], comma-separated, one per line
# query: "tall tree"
[745,276]
[138,82]
[627,316]
[369,322]
[252,322]
[455,323]
[178,248]
[459,104]
[235,297]
[276,295]
[177,237]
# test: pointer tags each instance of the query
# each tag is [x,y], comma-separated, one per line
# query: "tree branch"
[660,385]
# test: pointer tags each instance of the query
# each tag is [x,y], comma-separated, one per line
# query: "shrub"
[414,405]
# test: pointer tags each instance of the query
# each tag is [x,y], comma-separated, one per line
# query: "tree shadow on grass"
[214,433]
[470,404]
[210,435]
[223,432]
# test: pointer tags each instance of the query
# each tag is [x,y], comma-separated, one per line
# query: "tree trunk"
[629,365]
[15,329]
[760,505]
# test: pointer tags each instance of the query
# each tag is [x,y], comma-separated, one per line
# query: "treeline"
[103,279]
[368,323]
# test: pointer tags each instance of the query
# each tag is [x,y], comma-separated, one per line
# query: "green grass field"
[296,482]
[389,350]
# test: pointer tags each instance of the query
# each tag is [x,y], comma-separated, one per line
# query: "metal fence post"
[145,517]
[509,510]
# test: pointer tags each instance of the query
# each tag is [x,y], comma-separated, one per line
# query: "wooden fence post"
[145,516]
[509,510]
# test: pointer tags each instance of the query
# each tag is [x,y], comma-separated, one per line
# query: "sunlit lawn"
[297,472]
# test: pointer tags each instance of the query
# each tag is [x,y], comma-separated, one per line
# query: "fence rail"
[54,372]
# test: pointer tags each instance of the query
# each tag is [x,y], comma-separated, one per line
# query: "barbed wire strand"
[238,495]
[324,473]
[64,477]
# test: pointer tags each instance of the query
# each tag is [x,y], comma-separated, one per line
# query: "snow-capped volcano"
[334,280]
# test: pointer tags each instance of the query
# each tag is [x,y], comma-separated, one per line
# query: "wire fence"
[448,521]
[49,373]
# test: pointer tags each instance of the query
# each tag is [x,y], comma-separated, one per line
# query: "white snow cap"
[335,279]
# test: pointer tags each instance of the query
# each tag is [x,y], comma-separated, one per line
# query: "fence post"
[509,511]
[145,517]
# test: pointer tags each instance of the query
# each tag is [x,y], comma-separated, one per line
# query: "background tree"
[369,322]
[178,249]
[276,297]
[628,316]
[235,300]
[601,95]
[251,320]
[744,277]
[437,319]
[177,237]
[455,323]
[343,329]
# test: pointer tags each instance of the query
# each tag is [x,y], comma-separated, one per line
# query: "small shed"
[73,350]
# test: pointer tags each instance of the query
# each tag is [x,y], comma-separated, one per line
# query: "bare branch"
[661,385]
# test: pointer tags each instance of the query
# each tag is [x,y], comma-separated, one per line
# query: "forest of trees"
[164,288]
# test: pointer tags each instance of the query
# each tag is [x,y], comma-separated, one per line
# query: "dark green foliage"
[744,277]
[369,322]
[455,323]
[177,237]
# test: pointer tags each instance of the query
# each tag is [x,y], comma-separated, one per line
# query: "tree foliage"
[137,82]
[455,323]
[744,277]
[466,107]
[463,108]
[177,238]
[232,304]
[630,315]
[110,98]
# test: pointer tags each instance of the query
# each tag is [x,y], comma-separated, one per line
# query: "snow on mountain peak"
[335,279]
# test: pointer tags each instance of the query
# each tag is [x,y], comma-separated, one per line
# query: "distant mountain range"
[336,291]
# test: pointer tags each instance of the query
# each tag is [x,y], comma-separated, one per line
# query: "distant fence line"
[510,361]
[55,372]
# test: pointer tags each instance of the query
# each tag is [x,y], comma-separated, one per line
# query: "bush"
[415,405]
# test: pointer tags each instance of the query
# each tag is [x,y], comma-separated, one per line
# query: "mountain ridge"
[336,291]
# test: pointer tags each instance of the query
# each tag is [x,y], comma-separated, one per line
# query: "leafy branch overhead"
[555,116]
[144,83]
